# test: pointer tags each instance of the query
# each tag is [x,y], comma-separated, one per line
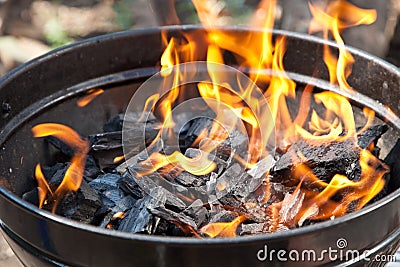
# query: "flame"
[339,15]
[118,159]
[257,52]
[91,95]
[221,229]
[73,176]
[43,186]
[243,105]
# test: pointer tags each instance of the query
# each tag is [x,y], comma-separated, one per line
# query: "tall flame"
[73,176]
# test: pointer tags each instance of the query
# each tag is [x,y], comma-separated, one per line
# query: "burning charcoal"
[105,141]
[57,177]
[129,186]
[49,172]
[291,205]
[32,196]
[371,135]
[171,200]
[236,143]
[223,216]
[132,161]
[121,205]
[221,164]
[81,205]
[106,182]
[114,124]
[124,204]
[257,172]
[252,229]
[113,140]
[197,212]
[60,145]
[325,159]
[180,219]
[189,180]
[392,160]
[191,130]
[278,192]
[139,219]
[91,169]
[113,195]
[167,228]
[234,182]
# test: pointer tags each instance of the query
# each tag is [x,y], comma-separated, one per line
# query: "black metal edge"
[28,248]
[14,199]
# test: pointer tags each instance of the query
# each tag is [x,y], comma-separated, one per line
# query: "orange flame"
[223,229]
[91,95]
[73,176]
[43,186]
[339,15]
[241,104]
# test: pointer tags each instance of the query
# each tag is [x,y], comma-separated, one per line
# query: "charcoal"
[392,160]
[129,186]
[371,135]
[221,165]
[278,192]
[135,158]
[57,177]
[233,182]
[189,180]
[325,159]
[253,229]
[197,212]
[113,140]
[114,124]
[106,141]
[191,130]
[32,196]
[261,167]
[167,228]
[150,183]
[122,205]
[171,216]
[236,143]
[139,219]
[113,195]
[106,182]
[223,216]
[82,205]
[171,200]
[91,170]
[49,172]
[60,145]
[255,213]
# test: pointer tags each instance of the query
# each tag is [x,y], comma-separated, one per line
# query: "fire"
[258,52]
[73,176]
[221,229]
[260,109]
[91,95]
[339,15]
